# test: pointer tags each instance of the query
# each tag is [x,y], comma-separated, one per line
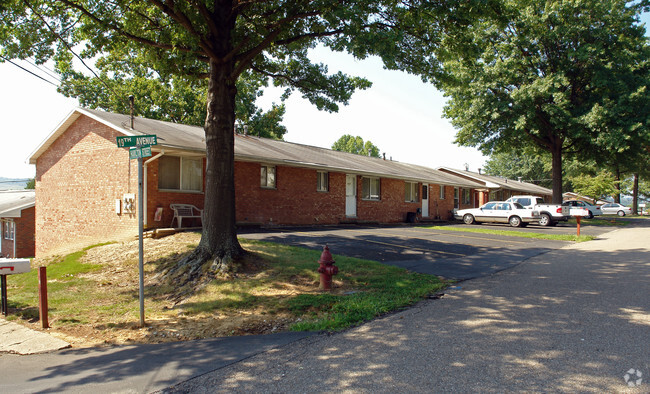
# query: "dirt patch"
[171,322]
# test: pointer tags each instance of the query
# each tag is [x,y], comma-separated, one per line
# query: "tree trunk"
[635,195]
[556,155]
[219,245]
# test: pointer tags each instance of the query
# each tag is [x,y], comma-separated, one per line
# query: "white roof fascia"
[15,212]
[63,126]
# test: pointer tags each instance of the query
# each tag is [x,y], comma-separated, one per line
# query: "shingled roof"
[174,137]
[496,182]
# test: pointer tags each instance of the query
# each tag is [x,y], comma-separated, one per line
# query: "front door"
[425,200]
[351,195]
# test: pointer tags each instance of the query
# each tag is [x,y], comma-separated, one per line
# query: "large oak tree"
[563,77]
[220,41]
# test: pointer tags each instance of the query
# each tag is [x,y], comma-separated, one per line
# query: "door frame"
[351,199]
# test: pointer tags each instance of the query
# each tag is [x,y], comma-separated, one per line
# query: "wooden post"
[42,296]
[3,279]
[578,220]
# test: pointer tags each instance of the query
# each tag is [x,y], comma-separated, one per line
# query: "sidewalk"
[18,339]
[575,319]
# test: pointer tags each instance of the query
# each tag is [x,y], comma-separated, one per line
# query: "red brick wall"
[83,172]
[295,199]
[23,234]
[162,199]
[78,180]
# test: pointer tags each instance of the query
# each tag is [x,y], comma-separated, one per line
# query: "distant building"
[17,218]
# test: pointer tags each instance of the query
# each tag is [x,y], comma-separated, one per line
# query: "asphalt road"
[575,319]
[449,254]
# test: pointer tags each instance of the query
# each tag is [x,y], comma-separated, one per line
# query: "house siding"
[78,179]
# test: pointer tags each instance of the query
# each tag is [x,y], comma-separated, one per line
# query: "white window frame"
[442,192]
[456,197]
[182,159]
[9,229]
[411,192]
[368,192]
[322,181]
[267,181]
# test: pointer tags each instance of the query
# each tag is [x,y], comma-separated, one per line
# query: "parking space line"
[396,245]
[442,241]
[456,234]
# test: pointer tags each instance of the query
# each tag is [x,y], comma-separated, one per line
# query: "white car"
[498,212]
[593,210]
[615,209]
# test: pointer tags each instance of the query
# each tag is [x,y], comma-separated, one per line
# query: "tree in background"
[160,95]
[560,76]
[31,183]
[348,143]
[595,187]
[221,41]
[531,167]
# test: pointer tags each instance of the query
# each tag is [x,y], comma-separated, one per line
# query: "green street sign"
[140,140]
[137,153]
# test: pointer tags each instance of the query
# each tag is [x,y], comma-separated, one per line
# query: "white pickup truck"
[549,214]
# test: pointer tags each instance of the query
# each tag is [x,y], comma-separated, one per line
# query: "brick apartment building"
[17,218]
[86,187]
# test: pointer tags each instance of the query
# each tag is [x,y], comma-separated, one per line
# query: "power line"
[44,69]
[24,69]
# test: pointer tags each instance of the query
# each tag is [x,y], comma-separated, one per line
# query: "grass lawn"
[94,300]
[511,233]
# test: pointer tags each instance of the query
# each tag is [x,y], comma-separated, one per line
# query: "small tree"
[595,187]
[348,143]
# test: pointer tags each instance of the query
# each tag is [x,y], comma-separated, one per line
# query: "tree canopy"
[221,42]
[531,167]
[349,143]
[564,77]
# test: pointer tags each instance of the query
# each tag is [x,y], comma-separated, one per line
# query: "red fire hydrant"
[327,269]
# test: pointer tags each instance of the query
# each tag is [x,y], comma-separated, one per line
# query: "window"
[466,196]
[411,192]
[370,188]
[267,177]
[456,200]
[180,173]
[425,192]
[9,230]
[322,181]
[442,192]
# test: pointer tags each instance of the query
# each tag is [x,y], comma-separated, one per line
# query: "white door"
[425,200]
[350,195]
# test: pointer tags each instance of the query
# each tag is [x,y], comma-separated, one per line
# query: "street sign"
[138,153]
[140,140]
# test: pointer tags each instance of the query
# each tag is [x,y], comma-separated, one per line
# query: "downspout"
[145,188]
[14,227]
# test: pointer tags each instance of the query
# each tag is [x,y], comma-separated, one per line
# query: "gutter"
[145,188]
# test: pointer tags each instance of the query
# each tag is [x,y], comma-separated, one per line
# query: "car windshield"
[518,206]
[489,205]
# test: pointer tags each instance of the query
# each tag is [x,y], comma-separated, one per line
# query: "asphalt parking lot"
[449,254]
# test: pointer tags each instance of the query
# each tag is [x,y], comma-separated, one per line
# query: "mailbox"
[14,266]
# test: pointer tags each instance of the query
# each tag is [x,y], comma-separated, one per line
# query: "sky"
[400,114]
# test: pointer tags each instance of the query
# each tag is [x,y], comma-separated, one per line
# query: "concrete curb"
[18,339]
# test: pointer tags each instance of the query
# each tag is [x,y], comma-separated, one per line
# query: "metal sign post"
[141,242]
[140,147]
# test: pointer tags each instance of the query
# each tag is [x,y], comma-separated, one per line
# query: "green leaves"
[561,76]
[348,143]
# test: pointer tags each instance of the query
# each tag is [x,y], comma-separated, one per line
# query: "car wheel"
[515,221]
[545,220]
[591,215]
[620,213]
[468,219]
